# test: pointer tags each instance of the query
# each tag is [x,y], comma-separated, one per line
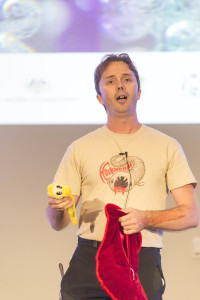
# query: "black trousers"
[80,281]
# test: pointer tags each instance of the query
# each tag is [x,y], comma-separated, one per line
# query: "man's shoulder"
[160,139]
[155,133]
[89,137]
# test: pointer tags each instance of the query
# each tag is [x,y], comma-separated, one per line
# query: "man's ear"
[139,94]
[100,99]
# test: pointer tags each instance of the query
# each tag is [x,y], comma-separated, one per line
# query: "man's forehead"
[117,67]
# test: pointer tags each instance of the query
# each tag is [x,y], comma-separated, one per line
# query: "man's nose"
[120,85]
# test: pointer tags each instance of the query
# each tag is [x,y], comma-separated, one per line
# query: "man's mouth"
[122,97]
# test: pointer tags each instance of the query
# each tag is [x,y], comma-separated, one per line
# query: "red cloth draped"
[117,259]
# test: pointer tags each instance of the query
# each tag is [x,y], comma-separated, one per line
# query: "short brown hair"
[107,59]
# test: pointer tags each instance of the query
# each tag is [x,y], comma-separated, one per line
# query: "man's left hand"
[134,220]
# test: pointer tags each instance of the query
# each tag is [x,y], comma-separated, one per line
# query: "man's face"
[119,90]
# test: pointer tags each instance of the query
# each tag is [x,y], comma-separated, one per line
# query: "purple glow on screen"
[99,25]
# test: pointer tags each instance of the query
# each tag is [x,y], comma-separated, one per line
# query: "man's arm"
[185,215]
[57,211]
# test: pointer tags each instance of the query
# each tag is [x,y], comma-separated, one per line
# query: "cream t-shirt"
[96,168]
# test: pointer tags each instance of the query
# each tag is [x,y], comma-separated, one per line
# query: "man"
[132,166]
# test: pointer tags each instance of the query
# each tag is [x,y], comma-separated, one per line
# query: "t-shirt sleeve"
[68,172]
[179,172]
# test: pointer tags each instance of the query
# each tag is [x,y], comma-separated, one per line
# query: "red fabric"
[117,259]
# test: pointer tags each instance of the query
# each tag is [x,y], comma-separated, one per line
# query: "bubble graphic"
[130,20]
[9,43]
[182,25]
[54,11]
[20,17]
[181,36]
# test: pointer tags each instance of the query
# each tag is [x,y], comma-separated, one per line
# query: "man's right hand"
[60,204]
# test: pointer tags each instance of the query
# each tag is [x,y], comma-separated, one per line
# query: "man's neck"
[125,126]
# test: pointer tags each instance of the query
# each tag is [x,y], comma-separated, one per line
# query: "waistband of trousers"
[96,244]
[91,243]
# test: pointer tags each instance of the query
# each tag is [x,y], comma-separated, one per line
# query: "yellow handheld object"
[59,191]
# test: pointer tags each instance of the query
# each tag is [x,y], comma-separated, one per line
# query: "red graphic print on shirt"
[122,173]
